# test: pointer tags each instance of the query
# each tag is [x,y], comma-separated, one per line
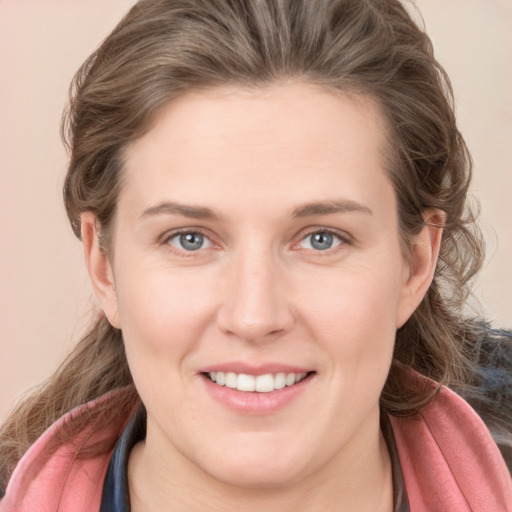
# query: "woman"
[271,197]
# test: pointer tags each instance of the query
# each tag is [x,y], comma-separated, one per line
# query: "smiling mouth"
[260,384]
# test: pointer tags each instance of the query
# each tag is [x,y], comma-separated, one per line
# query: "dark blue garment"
[490,392]
[116,497]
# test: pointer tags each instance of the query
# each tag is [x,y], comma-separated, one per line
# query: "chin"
[257,477]
[257,468]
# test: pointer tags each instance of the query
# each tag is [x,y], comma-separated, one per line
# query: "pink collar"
[55,474]
[449,460]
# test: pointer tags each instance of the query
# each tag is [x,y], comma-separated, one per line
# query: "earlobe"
[422,264]
[99,268]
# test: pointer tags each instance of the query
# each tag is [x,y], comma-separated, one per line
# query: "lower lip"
[254,402]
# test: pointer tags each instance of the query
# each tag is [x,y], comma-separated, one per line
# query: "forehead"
[305,110]
[294,137]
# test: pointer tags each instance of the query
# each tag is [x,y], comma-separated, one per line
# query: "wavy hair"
[163,48]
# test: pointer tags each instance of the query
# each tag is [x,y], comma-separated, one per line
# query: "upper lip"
[254,369]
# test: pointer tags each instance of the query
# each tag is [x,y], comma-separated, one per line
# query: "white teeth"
[245,382]
[280,381]
[265,383]
[231,380]
[290,379]
[262,383]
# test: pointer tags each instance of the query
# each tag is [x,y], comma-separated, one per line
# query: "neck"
[355,480]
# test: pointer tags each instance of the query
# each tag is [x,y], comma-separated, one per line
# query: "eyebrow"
[174,208]
[329,207]
[305,210]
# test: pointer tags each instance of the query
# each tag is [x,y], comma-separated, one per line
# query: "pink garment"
[449,461]
[51,477]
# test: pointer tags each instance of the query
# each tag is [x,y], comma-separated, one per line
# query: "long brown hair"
[163,48]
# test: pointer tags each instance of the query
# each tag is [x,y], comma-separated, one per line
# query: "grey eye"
[190,241]
[320,241]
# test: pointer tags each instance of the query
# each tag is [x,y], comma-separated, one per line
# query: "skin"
[258,291]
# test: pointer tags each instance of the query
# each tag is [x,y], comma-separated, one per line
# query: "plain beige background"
[45,298]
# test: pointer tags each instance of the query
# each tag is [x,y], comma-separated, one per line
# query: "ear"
[99,268]
[422,262]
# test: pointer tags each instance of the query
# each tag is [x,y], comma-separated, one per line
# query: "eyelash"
[344,239]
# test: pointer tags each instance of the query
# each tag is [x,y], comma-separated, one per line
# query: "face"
[258,279]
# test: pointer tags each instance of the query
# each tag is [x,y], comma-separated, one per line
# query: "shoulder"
[448,455]
[67,464]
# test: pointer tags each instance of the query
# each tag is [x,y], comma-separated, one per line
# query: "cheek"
[163,301]
[163,315]
[364,295]
[163,320]
[352,314]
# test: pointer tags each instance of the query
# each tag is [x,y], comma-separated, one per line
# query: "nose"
[255,306]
